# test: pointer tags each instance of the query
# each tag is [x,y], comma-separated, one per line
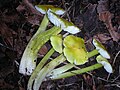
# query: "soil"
[99,19]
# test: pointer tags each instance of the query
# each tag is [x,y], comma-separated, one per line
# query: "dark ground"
[19,21]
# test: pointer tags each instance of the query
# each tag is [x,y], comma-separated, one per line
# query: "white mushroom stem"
[39,67]
[28,61]
[75,72]
[43,72]
[59,70]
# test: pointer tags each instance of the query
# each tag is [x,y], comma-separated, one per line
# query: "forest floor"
[96,19]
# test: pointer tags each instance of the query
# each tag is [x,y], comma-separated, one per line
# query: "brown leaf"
[43,50]
[106,16]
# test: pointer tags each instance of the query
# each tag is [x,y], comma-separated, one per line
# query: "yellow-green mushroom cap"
[44,8]
[56,42]
[101,49]
[75,50]
[73,41]
[75,56]
[62,23]
[107,66]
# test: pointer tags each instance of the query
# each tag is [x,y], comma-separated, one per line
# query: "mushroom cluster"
[75,51]
[52,13]
[70,48]
[74,48]
[104,55]
[28,60]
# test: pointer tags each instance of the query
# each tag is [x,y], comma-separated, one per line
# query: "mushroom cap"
[62,23]
[107,66]
[101,49]
[75,56]
[56,42]
[75,50]
[73,41]
[44,8]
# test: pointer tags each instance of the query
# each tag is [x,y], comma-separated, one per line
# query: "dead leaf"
[43,50]
[106,16]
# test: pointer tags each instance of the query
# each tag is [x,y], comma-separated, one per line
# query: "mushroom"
[28,60]
[101,49]
[44,8]
[73,41]
[107,66]
[74,50]
[56,42]
[61,72]
[75,56]
[62,23]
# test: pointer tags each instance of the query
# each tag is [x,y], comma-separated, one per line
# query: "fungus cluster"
[102,58]
[74,48]
[28,60]
[70,48]
[76,53]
